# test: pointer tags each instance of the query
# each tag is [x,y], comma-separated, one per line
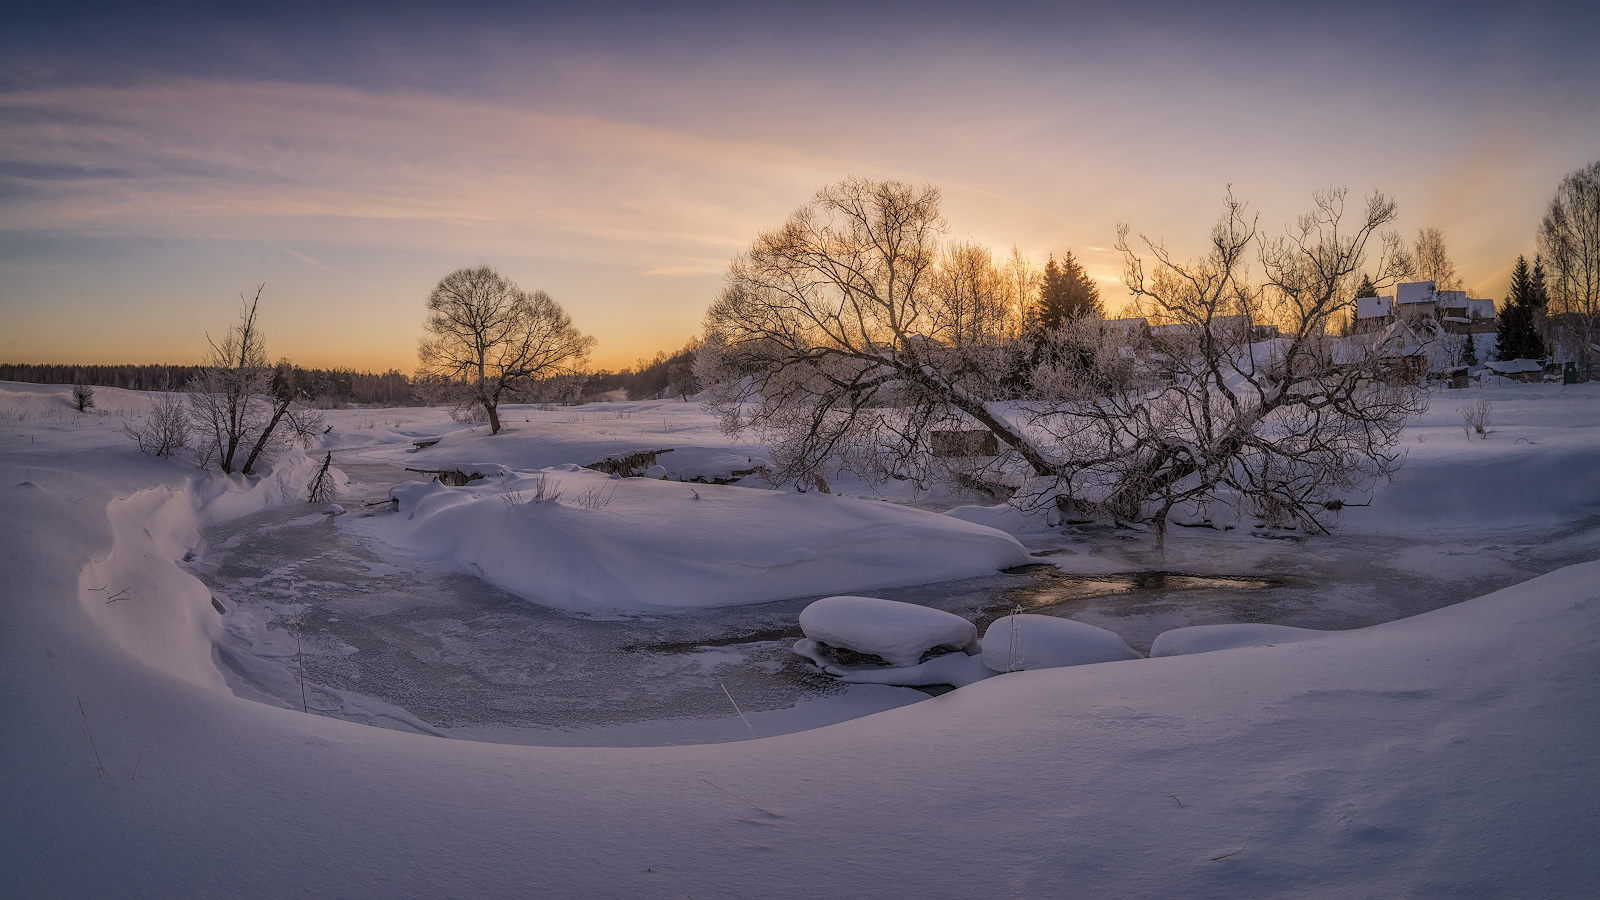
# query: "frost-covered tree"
[229,398]
[165,428]
[489,338]
[830,341]
[1569,240]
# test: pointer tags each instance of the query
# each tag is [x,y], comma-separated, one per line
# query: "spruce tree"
[1469,353]
[1366,289]
[1066,293]
[1518,336]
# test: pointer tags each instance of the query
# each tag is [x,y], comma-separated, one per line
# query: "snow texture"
[898,632]
[1449,754]
[1021,642]
[1206,638]
[599,543]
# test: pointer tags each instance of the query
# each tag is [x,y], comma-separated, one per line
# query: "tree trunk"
[261,442]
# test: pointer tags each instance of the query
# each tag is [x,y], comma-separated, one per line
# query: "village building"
[1416,302]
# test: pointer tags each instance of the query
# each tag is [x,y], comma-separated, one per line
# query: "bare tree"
[1433,261]
[229,396]
[1206,412]
[841,339]
[1569,240]
[833,341]
[489,338]
[165,429]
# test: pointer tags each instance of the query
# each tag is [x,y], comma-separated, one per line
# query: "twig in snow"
[92,749]
[1175,800]
[737,709]
[118,595]
[741,799]
[299,658]
[1228,854]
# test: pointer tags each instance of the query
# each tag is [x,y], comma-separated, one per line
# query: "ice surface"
[898,632]
[1020,642]
[1206,638]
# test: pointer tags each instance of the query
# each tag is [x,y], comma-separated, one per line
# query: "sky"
[159,159]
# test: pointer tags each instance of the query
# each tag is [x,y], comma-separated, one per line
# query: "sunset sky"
[157,160]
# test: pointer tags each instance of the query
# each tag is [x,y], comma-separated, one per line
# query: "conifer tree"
[1067,293]
[1366,289]
[1518,337]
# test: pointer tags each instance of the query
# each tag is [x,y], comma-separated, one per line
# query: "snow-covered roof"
[1514,366]
[1414,292]
[1127,324]
[1399,340]
[1172,329]
[1480,308]
[1374,307]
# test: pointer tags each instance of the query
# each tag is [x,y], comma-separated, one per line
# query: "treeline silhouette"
[331,387]
[667,374]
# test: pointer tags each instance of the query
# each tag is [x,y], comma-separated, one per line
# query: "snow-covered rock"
[1018,642]
[899,633]
[1206,638]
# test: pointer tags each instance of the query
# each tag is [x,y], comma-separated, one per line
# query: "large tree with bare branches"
[490,337]
[837,339]
[1569,240]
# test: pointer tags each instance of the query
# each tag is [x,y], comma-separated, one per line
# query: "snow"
[1209,638]
[1020,642]
[956,669]
[1447,754]
[898,632]
[640,544]
[1514,366]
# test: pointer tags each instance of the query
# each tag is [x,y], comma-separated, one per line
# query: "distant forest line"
[339,387]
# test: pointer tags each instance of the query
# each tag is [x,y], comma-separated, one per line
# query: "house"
[1416,302]
[1401,354]
[1132,328]
[1373,313]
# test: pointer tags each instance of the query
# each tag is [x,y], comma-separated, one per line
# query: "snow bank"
[1007,518]
[636,544]
[897,632]
[1020,642]
[1206,638]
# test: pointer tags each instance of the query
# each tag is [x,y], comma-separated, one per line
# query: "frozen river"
[379,640]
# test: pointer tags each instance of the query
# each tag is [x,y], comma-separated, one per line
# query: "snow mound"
[1206,638]
[899,633]
[1019,642]
[576,539]
[1006,517]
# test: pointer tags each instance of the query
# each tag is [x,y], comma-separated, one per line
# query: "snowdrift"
[638,544]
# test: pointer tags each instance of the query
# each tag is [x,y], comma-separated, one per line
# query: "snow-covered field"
[1449,753]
